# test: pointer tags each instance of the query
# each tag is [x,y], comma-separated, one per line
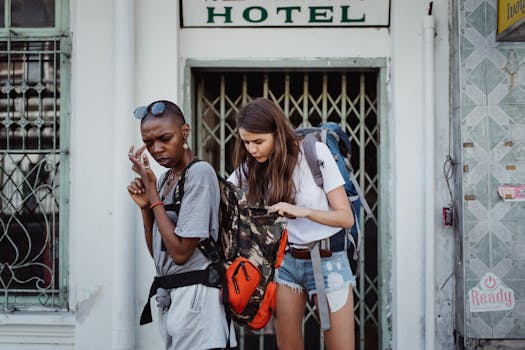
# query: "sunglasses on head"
[157,109]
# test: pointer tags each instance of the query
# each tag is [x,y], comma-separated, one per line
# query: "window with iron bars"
[34,61]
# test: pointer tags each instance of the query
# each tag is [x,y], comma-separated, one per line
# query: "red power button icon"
[490,282]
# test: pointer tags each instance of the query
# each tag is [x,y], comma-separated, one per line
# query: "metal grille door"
[307,98]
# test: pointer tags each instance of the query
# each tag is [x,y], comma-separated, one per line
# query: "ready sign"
[491,295]
[290,13]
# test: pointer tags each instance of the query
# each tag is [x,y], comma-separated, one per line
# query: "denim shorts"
[298,273]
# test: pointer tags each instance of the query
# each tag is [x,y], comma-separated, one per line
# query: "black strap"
[164,180]
[178,193]
[208,277]
[209,249]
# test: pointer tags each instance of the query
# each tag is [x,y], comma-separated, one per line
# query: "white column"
[430,208]
[407,125]
[124,224]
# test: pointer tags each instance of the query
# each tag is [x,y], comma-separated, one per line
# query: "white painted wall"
[91,172]
[273,43]
[161,52]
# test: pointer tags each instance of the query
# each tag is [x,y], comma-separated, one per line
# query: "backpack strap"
[339,135]
[207,277]
[209,249]
[322,301]
[311,157]
[360,194]
[178,193]
[164,179]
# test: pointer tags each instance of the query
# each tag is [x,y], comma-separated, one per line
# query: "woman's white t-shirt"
[309,195]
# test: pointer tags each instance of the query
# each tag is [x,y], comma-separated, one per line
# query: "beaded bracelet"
[156,204]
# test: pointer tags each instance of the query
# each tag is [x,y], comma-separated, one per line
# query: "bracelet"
[156,204]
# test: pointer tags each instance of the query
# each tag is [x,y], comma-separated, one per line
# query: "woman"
[191,316]
[271,167]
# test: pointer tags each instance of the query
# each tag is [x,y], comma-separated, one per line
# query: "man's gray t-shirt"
[198,218]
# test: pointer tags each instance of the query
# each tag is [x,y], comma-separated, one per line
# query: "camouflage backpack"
[250,246]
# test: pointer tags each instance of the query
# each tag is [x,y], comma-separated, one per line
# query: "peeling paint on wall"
[85,305]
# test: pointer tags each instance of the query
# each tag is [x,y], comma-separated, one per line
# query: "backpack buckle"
[214,256]
[209,249]
[213,276]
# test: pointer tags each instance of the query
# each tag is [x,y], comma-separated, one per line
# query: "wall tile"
[505,75]
[492,98]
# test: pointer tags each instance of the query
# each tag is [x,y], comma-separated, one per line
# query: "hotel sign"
[285,13]
[511,20]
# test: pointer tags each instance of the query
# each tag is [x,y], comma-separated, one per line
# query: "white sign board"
[285,13]
[491,295]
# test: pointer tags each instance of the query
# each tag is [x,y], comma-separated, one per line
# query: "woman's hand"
[339,215]
[137,191]
[289,210]
[140,165]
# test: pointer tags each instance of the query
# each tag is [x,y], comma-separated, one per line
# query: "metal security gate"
[308,97]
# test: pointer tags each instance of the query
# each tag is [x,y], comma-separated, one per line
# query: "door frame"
[186,96]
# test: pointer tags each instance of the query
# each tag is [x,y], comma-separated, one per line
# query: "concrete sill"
[37,330]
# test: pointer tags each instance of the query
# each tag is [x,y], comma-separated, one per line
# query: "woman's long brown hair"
[270,182]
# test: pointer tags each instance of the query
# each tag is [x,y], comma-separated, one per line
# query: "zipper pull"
[245,272]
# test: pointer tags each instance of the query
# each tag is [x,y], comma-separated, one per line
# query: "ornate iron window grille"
[32,263]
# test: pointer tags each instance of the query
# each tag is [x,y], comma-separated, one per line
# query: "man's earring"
[185,146]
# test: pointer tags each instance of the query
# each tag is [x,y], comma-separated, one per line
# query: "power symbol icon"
[490,282]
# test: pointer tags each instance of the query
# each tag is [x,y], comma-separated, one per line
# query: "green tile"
[482,193]
[515,112]
[517,228]
[482,250]
[469,221]
[518,331]
[498,251]
[472,331]
[516,213]
[516,154]
[495,76]
[476,19]
[466,48]
[490,20]
[472,282]
[466,109]
[496,133]
[516,273]
[486,317]
[467,101]
[478,76]
[479,134]
[518,286]
[516,95]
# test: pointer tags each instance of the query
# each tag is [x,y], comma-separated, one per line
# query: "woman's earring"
[185,146]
